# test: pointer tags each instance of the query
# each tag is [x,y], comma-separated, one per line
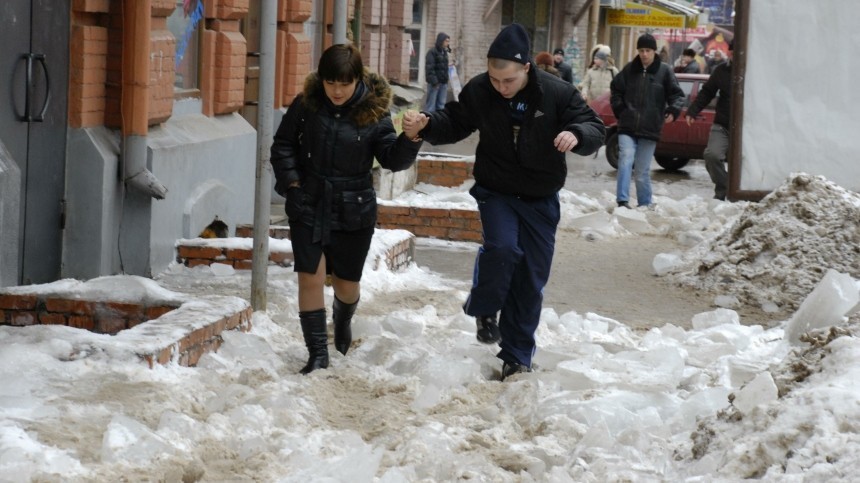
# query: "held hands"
[565,141]
[413,123]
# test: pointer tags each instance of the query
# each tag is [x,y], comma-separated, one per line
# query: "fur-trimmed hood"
[372,107]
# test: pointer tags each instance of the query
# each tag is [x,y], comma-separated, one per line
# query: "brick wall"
[444,172]
[293,50]
[157,333]
[445,224]
[88,60]
[224,53]
[96,316]
[238,258]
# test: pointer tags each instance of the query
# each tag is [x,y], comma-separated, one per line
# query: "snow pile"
[779,249]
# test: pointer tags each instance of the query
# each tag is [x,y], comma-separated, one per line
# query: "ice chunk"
[769,307]
[445,373]
[715,318]
[127,440]
[403,326]
[833,298]
[703,403]
[760,390]
[664,263]
[634,221]
[598,221]
[726,301]
[222,270]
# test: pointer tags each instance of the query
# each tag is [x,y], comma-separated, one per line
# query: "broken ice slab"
[634,221]
[760,390]
[664,263]
[835,297]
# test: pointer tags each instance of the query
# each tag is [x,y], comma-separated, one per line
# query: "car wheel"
[612,149]
[671,163]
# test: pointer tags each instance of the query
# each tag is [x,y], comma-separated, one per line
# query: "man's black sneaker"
[488,329]
[624,204]
[511,368]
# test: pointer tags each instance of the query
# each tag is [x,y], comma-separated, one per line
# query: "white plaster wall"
[800,93]
[208,165]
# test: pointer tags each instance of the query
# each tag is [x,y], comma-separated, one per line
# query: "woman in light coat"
[599,75]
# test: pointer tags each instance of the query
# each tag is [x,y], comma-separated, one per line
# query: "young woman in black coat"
[322,157]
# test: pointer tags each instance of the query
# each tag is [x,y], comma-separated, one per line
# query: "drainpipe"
[339,22]
[265,127]
[137,21]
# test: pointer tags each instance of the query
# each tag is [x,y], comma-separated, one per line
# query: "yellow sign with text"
[638,15]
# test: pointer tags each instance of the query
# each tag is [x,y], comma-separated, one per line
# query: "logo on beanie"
[518,56]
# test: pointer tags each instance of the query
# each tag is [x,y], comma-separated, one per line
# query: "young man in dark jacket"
[644,93]
[436,73]
[528,120]
[718,141]
[565,70]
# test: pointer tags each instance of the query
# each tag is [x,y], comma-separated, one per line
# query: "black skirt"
[345,252]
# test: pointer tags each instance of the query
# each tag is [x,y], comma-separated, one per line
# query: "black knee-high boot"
[316,339]
[341,315]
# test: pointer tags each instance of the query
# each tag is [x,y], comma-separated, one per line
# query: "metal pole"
[339,22]
[263,186]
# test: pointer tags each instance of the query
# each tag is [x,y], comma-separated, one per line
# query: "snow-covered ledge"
[128,316]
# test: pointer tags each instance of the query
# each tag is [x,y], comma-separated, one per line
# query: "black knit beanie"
[646,41]
[512,43]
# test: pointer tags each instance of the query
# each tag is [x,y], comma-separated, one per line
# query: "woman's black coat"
[330,151]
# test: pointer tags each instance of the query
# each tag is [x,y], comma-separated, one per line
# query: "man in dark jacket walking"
[644,93]
[528,120]
[718,141]
[436,73]
[565,70]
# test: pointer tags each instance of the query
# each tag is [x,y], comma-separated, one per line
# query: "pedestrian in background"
[566,71]
[527,119]
[644,95]
[436,73]
[599,75]
[322,158]
[689,65]
[720,83]
[545,62]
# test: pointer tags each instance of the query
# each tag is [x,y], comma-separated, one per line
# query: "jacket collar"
[367,109]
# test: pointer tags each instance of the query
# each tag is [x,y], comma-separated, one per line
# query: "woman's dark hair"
[341,63]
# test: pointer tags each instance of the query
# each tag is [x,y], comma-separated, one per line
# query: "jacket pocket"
[359,209]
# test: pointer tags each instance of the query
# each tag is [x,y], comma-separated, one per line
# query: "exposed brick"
[123,309]
[196,262]
[18,302]
[465,235]
[238,254]
[204,252]
[82,322]
[157,311]
[23,318]
[281,258]
[110,325]
[243,264]
[430,231]
[3,317]
[52,319]
[73,306]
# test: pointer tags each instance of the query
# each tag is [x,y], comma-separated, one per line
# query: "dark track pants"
[513,267]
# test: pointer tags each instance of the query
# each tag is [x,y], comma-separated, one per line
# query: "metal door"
[34,70]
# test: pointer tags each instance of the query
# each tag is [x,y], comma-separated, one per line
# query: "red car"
[678,143]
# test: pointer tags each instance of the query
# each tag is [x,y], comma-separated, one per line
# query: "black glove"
[295,202]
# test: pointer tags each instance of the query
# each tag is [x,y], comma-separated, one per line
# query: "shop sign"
[638,15]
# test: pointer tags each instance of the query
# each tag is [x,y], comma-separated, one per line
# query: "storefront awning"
[677,7]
